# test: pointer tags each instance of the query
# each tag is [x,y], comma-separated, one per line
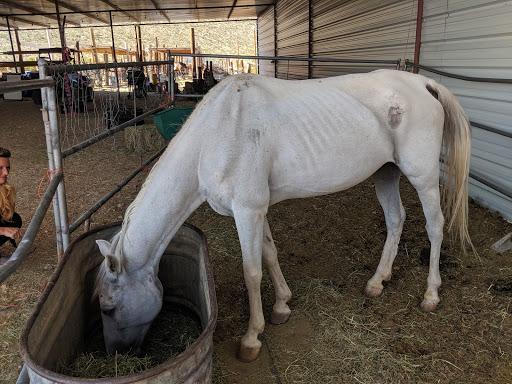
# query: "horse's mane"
[117,239]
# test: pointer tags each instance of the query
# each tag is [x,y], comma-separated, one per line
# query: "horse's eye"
[108,312]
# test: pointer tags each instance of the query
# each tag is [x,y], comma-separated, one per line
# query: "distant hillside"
[231,38]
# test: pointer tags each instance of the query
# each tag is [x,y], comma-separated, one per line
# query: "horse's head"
[129,301]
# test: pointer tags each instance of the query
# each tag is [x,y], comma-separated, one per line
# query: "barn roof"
[43,13]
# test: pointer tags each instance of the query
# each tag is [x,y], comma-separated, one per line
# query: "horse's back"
[305,137]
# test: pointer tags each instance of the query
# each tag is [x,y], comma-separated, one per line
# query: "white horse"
[254,141]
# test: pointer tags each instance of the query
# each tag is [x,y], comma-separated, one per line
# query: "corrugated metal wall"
[266,41]
[356,29]
[474,38]
[362,30]
[469,37]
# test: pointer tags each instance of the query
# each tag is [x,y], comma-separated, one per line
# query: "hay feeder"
[66,315]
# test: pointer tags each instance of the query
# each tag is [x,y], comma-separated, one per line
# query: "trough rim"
[147,374]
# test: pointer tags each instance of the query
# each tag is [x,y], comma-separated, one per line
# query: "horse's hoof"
[277,318]
[248,354]
[372,291]
[428,305]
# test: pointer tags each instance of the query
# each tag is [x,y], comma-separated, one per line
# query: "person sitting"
[10,221]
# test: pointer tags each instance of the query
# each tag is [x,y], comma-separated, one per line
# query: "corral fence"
[58,93]
[65,104]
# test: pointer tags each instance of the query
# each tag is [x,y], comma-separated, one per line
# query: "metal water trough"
[65,315]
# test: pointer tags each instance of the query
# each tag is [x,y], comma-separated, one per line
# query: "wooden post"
[49,42]
[19,49]
[12,45]
[193,51]
[94,50]
[138,43]
[238,54]
[61,34]
[77,54]
[256,51]
[127,52]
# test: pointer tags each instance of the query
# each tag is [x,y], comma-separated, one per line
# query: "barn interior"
[337,335]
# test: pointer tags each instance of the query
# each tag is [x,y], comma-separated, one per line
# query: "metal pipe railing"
[110,132]
[61,68]
[483,180]
[460,77]
[24,246]
[24,85]
[110,194]
[485,127]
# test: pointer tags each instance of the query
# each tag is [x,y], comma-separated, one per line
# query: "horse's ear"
[112,263]
[104,246]
[113,266]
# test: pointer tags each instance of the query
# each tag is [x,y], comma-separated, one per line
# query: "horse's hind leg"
[428,192]
[386,186]
[281,311]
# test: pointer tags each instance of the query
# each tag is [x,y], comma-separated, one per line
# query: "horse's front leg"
[249,225]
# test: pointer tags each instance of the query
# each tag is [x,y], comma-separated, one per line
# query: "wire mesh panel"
[93,103]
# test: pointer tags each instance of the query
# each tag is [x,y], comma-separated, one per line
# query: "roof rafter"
[31,10]
[24,21]
[155,4]
[78,10]
[232,8]
[120,10]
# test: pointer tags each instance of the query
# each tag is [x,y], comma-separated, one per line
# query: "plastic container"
[169,121]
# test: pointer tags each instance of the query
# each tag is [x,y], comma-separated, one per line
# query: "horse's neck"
[167,199]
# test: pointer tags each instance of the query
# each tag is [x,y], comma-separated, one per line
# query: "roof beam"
[31,10]
[17,20]
[78,10]
[232,8]
[120,10]
[161,12]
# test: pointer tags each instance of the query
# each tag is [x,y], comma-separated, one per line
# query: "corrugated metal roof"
[42,13]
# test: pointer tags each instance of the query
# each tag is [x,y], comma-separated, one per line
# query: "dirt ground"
[328,248]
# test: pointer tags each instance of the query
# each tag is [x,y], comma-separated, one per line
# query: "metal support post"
[54,160]
[170,77]
[49,151]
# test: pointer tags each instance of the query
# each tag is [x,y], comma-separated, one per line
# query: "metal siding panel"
[362,30]
[474,38]
[293,37]
[266,41]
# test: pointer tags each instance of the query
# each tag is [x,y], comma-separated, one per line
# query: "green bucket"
[169,121]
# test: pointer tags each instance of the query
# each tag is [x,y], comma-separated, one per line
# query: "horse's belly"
[335,168]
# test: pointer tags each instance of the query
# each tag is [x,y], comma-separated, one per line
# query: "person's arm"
[12,232]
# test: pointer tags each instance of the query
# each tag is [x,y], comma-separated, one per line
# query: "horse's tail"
[455,164]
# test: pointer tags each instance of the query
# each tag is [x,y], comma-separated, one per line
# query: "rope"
[47,174]
[409,31]
[9,305]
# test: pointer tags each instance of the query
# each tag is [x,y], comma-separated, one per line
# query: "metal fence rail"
[33,228]
[460,77]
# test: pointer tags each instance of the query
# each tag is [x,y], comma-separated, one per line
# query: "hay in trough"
[143,137]
[172,332]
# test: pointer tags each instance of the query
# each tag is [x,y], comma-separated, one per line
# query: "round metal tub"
[66,315]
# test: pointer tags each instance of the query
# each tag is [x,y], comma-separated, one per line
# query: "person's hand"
[12,232]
